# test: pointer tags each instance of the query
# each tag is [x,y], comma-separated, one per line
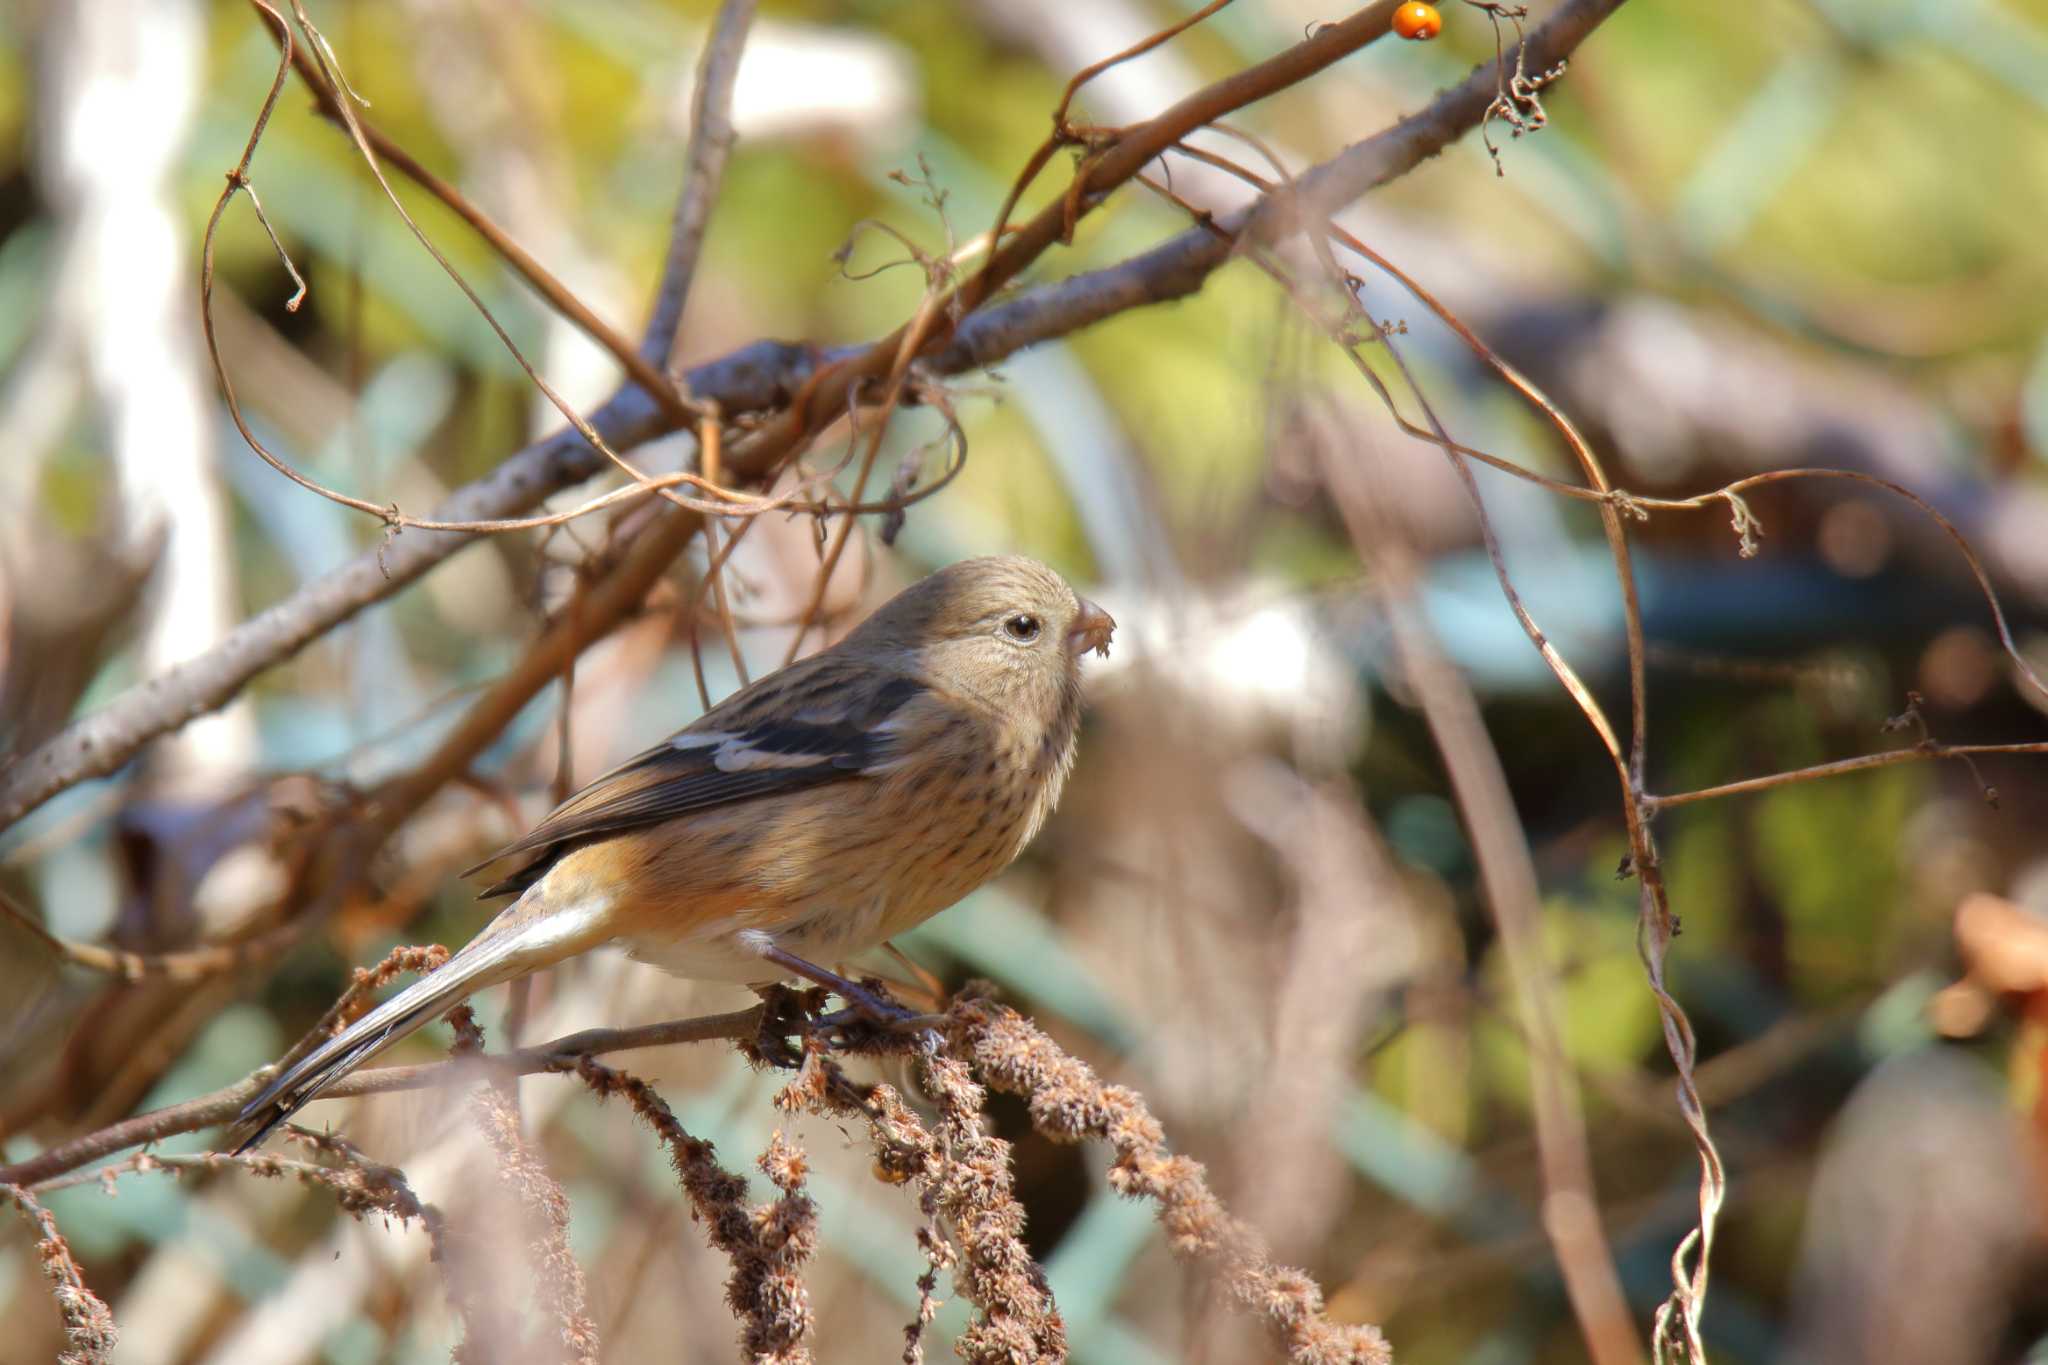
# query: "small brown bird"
[805,819]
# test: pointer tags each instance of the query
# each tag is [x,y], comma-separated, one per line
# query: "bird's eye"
[1022,628]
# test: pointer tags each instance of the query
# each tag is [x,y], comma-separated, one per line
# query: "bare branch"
[559,296]
[223,1105]
[1453,113]
[711,139]
[1119,160]
[97,744]
[1926,749]
[759,377]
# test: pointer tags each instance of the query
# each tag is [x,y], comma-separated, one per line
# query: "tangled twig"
[1517,100]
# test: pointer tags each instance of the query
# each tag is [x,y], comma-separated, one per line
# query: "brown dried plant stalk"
[1069,1103]
[558,1277]
[965,1188]
[88,1325]
[767,1245]
[361,1188]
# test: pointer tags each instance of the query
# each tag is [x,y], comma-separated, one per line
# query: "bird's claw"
[870,1005]
[870,1017]
[894,1019]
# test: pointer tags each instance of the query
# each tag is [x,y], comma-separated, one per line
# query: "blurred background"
[1772,235]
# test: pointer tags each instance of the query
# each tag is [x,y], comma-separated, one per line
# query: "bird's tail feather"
[487,960]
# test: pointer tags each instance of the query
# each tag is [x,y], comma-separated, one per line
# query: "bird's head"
[1005,627]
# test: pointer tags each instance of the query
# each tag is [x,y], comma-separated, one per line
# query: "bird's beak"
[1092,629]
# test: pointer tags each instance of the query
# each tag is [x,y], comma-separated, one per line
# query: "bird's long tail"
[521,940]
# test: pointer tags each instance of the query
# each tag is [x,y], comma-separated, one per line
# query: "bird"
[812,815]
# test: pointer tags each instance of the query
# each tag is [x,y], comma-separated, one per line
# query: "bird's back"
[827,876]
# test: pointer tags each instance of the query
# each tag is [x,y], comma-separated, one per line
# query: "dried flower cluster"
[365,982]
[1069,1103]
[559,1279]
[965,1187]
[88,1326]
[767,1245]
[361,1187]
[961,1174]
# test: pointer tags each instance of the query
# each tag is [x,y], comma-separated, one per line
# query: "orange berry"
[1418,22]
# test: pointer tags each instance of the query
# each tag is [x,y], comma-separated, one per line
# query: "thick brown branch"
[1326,188]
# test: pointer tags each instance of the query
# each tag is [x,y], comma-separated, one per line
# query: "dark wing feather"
[783,734]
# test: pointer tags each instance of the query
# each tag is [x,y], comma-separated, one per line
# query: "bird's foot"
[785,1014]
[870,1018]
[873,1005]
[871,1021]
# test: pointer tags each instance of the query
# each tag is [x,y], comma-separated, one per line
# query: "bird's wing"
[794,729]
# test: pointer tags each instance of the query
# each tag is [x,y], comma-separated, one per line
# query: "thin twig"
[222,1106]
[710,447]
[323,56]
[238,182]
[1571,1208]
[758,377]
[180,965]
[1731,494]
[711,139]
[913,337]
[558,295]
[1063,134]
[1926,749]
[1677,1321]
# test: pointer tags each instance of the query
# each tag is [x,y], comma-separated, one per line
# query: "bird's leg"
[864,1001]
